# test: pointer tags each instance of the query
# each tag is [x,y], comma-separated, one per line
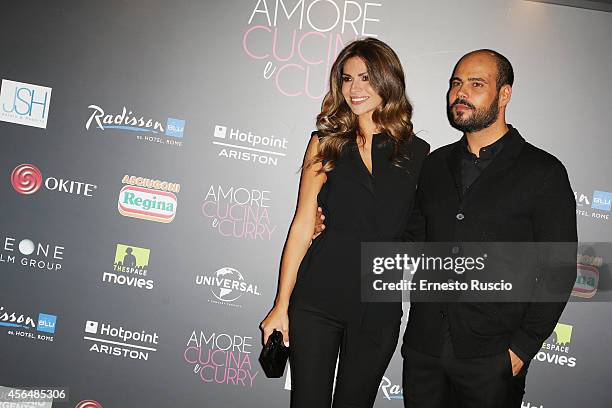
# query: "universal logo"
[120,342]
[148,199]
[24,104]
[26,327]
[27,179]
[238,145]
[146,129]
[130,268]
[227,285]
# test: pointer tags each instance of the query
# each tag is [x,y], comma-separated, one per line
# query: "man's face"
[473,97]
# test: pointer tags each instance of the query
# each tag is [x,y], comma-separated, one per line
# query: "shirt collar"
[487,152]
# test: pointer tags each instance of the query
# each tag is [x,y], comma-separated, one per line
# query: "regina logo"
[148,199]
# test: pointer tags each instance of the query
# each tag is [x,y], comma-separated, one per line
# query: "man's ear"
[505,94]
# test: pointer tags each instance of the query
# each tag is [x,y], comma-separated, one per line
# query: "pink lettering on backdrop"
[297,57]
[214,363]
[239,213]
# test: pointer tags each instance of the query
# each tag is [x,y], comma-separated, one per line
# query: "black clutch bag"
[274,354]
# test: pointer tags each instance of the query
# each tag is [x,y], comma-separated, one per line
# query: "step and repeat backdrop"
[150,163]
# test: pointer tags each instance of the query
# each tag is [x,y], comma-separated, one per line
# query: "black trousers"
[316,339]
[447,381]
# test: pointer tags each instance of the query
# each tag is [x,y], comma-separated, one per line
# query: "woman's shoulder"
[318,134]
[419,147]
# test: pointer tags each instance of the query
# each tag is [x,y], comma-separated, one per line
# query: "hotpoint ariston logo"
[24,104]
[27,179]
[240,145]
[147,129]
[148,199]
[108,339]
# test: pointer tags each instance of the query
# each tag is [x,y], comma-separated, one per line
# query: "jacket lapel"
[454,167]
[361,172]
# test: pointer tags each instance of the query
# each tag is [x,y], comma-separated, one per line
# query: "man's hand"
[517,363]
[319,226]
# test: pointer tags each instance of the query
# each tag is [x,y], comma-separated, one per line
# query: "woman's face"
[356,88]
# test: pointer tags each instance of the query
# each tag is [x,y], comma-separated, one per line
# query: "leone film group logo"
[148,199]
[37,256]
[107,339]
[235,144]
[227,285]
[24,104]
[130,268]
[27,327]
[147,130]
[27,179]
[556,349]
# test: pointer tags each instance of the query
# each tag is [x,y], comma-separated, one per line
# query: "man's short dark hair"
[505,72]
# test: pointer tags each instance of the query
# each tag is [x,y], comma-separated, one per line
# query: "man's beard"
[480,119]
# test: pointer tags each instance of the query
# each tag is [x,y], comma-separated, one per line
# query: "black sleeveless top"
[358,207]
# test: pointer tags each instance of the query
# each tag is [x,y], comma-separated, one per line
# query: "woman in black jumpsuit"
[366,188]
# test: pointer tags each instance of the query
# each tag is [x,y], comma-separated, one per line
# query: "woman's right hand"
[278,319]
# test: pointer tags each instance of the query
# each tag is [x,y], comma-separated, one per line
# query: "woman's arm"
[300,235]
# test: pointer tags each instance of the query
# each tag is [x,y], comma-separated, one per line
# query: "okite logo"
[120,342]
[147,130]
[556,350]
[24,104]
[24,326]
[245,146]
[239,212]
[38,256]
[227,285]
[130,268]
[27,179]
[148,199]
[221,358]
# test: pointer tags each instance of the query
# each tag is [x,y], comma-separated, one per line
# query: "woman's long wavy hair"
[337,124]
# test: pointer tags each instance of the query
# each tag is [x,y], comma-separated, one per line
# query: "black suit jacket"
[524,195]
